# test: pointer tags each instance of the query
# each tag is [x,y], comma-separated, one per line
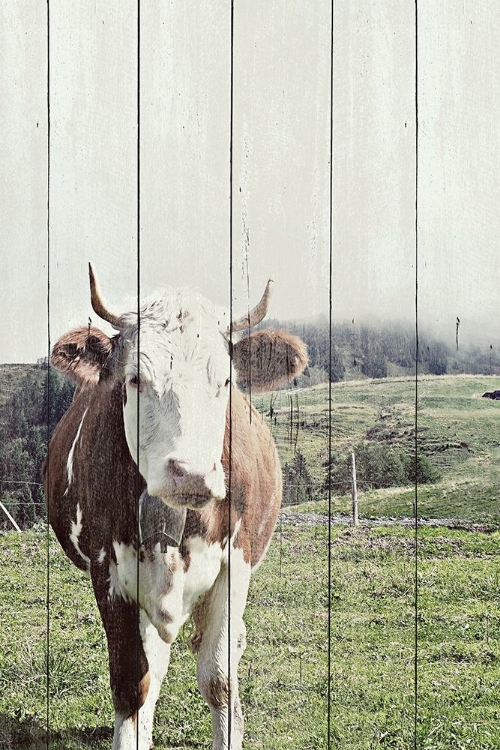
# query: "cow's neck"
[160,523]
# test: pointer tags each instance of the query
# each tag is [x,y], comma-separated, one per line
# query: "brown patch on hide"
[216,691]
[105,482]
[129,702]
[267,359]
[253,476]
[128,664]
[199,617]
[83,354]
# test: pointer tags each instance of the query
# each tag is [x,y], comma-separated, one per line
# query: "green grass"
[284,672]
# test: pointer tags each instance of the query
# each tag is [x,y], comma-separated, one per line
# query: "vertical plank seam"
[415,676]
[47,657]
[329,556]
[231,126]
[138,293]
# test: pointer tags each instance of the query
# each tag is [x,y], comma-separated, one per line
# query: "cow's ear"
[84,355]
[268,359]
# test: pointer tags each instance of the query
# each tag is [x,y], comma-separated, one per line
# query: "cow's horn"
[98,304]
[258,313]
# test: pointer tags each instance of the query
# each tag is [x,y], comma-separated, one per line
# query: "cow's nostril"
[176,468]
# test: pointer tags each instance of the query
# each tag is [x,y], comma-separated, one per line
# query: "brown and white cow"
[164,485]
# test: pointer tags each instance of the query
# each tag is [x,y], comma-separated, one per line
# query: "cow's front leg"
[221,647]
[138,662]
[158,656]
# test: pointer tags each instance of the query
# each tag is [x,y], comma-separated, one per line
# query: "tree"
[374,364]
[422,471]
[297,481]
[437,354]
[380,466]
[29,418]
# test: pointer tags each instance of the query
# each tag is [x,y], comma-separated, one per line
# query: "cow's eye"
[135,382]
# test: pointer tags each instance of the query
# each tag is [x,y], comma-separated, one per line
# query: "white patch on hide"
[69,463]
[236,531]
[76,530]
[187,354]
[221,635]
[166,592]
[203,569]
[123,573]
[114,590]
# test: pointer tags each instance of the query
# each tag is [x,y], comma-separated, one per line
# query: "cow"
[495,395]
[163,484]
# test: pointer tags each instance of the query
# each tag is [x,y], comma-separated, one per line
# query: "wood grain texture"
[281,161]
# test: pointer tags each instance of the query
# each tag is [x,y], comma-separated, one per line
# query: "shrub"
[297,481]
[422,470]
[378,465]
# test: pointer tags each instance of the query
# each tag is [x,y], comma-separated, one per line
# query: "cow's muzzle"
[185,484]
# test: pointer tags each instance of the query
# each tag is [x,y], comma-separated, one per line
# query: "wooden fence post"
[2,506]
[354,490]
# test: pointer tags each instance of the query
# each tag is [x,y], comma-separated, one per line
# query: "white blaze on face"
[175,407]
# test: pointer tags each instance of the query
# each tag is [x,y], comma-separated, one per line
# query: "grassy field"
[457,430]
[395,609]
[284,673]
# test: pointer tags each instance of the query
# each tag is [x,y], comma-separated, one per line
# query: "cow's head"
[174,360]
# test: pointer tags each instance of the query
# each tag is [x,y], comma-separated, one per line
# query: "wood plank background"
[280,145]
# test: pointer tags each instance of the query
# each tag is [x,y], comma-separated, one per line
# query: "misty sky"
[280,160]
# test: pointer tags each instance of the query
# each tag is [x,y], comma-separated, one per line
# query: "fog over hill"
[478,344]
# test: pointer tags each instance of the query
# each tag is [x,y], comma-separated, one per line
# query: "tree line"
[381,351]
[27,421]
[377,466]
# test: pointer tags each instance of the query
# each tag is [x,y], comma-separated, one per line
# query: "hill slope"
[458,431]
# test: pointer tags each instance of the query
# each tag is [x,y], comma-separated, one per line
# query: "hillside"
[11,377]
[458,431]
[458,436]
[32,402]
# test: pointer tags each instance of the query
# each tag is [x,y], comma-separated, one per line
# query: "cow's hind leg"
[220,649]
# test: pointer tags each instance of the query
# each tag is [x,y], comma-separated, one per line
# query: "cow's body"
[495,395]
[145,585]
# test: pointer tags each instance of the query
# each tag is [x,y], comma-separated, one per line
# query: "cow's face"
[173,362]
[176,379]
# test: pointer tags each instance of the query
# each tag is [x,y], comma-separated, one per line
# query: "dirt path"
[315,519]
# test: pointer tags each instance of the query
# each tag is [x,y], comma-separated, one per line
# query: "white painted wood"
[280,155]
[459,163]
[374,161]
[185,146]
[93,155]
[282,124]
[23,180]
